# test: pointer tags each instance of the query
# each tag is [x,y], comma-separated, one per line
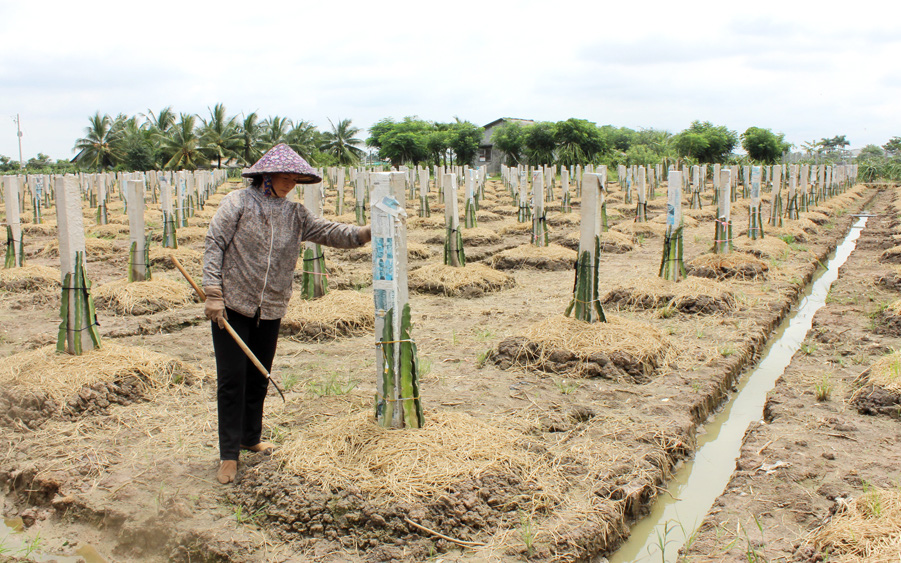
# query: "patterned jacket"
[252,247]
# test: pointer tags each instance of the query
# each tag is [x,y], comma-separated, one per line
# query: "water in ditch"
[701,480]
[14,543]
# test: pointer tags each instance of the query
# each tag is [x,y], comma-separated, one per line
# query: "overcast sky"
[806,69]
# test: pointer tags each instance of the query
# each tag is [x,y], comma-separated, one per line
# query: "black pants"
[240,387]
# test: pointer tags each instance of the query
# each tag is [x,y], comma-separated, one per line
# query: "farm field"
[546,455]
[820,473]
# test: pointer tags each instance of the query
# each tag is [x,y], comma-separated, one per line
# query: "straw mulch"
[888,320]
[814,217]
[46,228]
[142,297]
[109,231]
[434,221]
[335,314]
[184,235]
[38,384]
[636,230]
[693,296]
[733,265]
[349,218]
[484,216]
[472,280]
[864,530]
[94,247]
[891,255]
[516,228]
[552,257]
[892,279]
[30,278]
[507,210]
[477,236]
[880,387]
[620,349]
[789,229]
[767,247]
[611,242]
[688,221]
[415,250]
[192,260]
[559,219]
[353,452]
[703,214]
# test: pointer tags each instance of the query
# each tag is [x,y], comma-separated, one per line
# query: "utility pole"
[19,133]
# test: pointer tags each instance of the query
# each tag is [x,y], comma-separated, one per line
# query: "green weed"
[527,533]
[727,350]
[331,385]
[566,386]
[823,389]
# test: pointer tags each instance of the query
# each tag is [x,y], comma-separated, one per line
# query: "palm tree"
[184,145]
[161,122]
[341,143]
[159,125]
[304,139]
[219,136]
[250,131]
[275,131]
[97,149]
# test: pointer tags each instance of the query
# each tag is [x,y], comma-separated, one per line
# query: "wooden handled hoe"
[230,330]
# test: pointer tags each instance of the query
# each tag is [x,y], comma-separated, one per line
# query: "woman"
[251,251]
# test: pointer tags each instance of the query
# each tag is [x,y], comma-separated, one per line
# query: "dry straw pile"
[767,247]
[619,349]
[192,260]
[886,371]
[639,340]
[611,241]
[94,247]
[30,278]
[409,464]
[867,529]
[551,257]
[142,297]
[60,376]
[636,230]
[733,265]
[337,313]
[692,295]
[472,280]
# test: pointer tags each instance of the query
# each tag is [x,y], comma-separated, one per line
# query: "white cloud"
[808,69]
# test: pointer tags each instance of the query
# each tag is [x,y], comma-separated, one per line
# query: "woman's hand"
[214,306]
[365,234]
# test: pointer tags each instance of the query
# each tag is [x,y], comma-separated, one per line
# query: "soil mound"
[620,349]
[552,257]
[473,280]
[475,236]
[142,297]
[611,242]
[880,391]
[866,529]
[335,314]
[647,230]
[192,260]
[692,296]
[734,265]
[30,279]
[94,248]
[767,247]
[888,321]
[42,383]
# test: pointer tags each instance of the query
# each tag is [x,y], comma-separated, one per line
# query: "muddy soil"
[137,480]
[808,454]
